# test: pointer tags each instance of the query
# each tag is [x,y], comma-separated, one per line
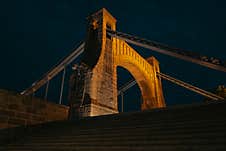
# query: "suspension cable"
[190,87]
[189,56]
[55,70]
[178,82]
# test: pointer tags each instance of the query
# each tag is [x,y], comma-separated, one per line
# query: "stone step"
[135,120]
[151,127]
[156,135]
[183,136]
[179,134]
[214,139]
[146,132]
[212,111]
[124,143]
[150,123]
[131,147]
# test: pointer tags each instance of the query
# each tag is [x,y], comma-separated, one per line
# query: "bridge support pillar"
[101,84]
[102,55]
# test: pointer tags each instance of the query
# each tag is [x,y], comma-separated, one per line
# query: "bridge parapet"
[16,110]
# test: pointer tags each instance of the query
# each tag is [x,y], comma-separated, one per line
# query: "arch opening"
[131,99]
[144,84]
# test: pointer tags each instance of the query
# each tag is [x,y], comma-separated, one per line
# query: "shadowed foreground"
[191,127]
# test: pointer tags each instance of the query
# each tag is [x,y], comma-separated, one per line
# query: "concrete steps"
[195,127]
[124,148]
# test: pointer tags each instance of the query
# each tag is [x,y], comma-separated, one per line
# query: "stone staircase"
[191,127]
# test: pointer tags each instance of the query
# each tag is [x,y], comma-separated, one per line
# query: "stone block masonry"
[101,86]
[17,110]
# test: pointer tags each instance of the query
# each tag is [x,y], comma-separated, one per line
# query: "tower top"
[103,12]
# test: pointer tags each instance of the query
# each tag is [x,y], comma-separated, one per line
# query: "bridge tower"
[102,55]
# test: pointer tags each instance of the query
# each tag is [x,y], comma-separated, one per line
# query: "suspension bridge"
[192,57]
[93,92]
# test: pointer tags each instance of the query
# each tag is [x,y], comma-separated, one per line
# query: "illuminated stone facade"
[103,54]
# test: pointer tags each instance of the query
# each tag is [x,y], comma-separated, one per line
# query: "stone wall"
[100,85]
[18,110]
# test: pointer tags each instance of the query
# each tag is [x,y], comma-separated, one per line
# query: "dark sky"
[35,35]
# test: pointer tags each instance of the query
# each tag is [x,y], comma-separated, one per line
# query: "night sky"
[35,35]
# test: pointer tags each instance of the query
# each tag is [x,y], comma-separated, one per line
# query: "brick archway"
[103,54]
[143,71]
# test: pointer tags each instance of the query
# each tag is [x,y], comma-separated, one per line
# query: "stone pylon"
[103,54]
